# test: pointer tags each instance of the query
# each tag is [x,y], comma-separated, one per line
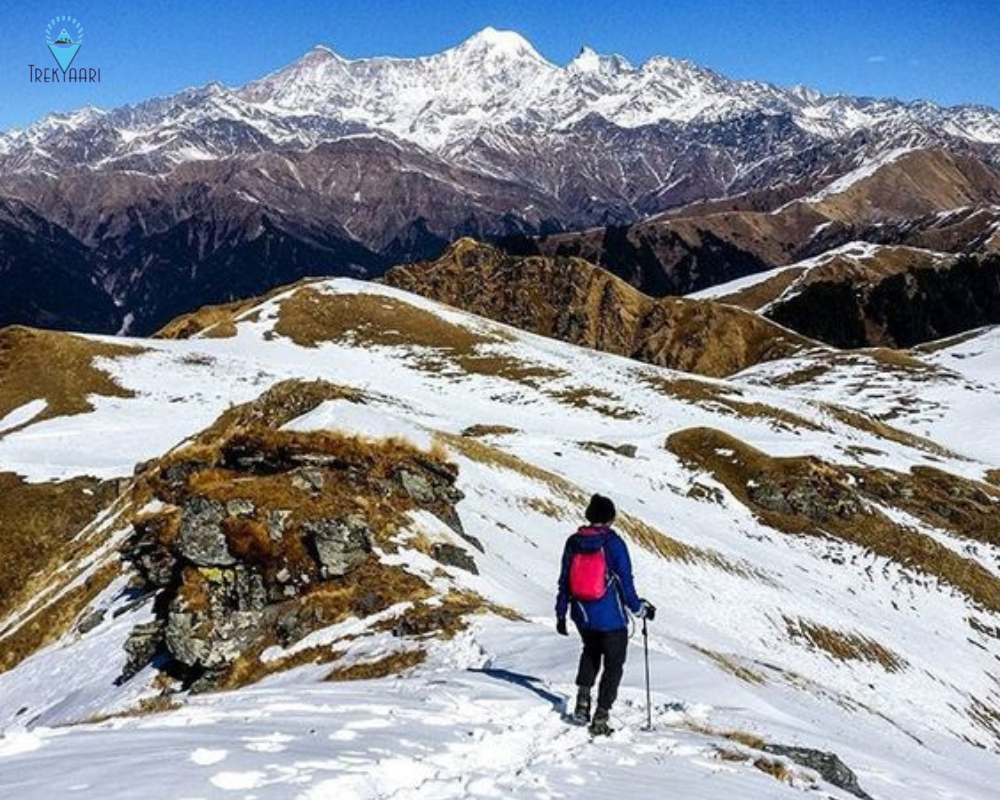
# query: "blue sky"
[948,52]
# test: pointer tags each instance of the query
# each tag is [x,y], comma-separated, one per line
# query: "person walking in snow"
[595,587]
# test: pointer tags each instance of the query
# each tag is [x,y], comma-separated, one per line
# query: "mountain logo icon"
[65,45]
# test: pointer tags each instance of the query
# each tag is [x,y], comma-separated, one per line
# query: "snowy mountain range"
[353,165]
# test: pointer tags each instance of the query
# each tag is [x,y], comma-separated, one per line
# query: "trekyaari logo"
[64,37]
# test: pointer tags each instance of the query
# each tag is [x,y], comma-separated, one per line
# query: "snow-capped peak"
[505,43]
[590,61]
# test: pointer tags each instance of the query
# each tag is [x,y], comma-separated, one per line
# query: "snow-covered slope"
[764,636]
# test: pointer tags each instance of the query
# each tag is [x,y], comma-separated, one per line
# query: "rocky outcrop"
[265,536]
[829,766]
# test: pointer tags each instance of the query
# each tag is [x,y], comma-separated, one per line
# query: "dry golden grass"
[703,448]
[52,620]
[863,422]
[310,317]
[573,300]
[844,646]
[593,399]
[547,508]
[726,400]
[993,476]
[643,534]
[968,509]
[249,668]
[148,706]
[57,368]
[488,430]
[729,664]
[392,664]
[37,523]
[760,294]
[279,405]
[218,321]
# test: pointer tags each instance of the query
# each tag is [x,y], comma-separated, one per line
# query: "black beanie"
[600,510]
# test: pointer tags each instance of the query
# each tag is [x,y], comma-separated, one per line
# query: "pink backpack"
[588,571]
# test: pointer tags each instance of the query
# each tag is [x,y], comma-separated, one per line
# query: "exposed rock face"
[266,536]
[572,300]
[340,543]
[453,556]
[828,765]
[201,540]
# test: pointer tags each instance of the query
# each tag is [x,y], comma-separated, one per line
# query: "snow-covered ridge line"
[497,78]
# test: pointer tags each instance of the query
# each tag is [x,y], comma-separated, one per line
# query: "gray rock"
[828,765]
[201,540]
[819,501]
[308,479]
[453,556]
[142,644]
[340,543]
[214,637]
[184,642]
[240,507]
[91,621]
[416,486]
[276,519]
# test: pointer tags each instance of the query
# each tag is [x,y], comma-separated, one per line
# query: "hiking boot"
[581,713]
[601,726]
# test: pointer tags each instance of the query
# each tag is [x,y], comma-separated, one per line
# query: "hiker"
[596,586]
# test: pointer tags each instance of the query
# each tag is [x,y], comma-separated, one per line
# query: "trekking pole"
[645,647]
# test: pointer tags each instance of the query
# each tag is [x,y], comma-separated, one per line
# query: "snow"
[22,415]
[494,82]
[481,717]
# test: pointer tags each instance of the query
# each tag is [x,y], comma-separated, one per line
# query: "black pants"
[611,647]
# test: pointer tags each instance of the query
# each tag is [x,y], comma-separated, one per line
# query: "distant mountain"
[928,198]
[355,165]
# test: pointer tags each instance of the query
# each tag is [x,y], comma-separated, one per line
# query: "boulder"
[453,556]
[828,765]
[142,644]
[201,539]
[417,486]
[340,544]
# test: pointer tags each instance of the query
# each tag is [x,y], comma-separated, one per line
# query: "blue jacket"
[608,613]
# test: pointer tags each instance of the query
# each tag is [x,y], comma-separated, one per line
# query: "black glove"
[647,611]
[561,626]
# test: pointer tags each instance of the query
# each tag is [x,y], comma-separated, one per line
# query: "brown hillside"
[925,198]
[572,300]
